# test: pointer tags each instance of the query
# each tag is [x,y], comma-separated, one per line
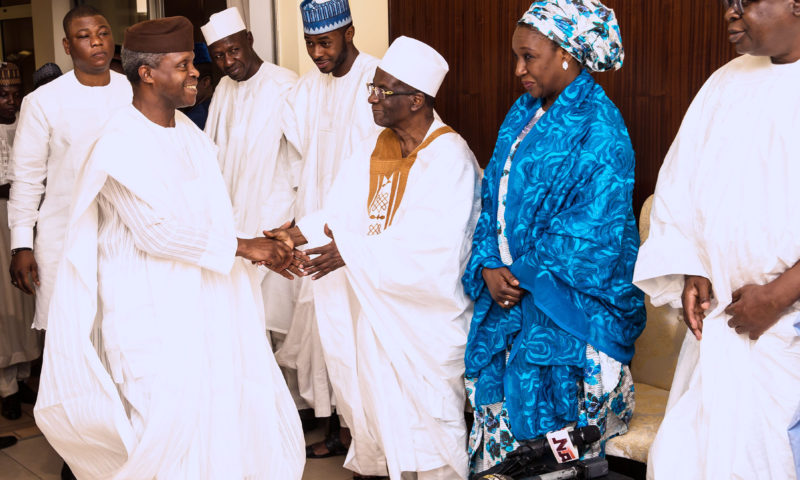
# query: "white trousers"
[10,375]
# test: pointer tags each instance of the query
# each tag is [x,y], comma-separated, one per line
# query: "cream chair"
[653,367]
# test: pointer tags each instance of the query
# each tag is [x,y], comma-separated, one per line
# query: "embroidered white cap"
[416,64]
[223,24]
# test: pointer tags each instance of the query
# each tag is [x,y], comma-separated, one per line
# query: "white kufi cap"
[415,63]
[223,24]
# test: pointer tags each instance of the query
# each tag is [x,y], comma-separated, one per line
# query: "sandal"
[368,477]
[332,443]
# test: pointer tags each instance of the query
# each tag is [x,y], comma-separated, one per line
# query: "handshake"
[277,250]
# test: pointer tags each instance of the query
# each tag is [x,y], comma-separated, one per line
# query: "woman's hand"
[503,286]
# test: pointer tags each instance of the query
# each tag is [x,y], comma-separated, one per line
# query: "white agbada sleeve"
[671,251]
[28,171]
[168,238]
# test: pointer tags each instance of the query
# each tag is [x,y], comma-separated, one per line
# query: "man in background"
[259,167]
[198,113]
[58,123]
[327,116]
[19,344]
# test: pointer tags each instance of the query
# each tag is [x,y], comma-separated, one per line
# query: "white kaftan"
[19,344]
[149,255]
[58,124]
[726,208]
[259,168]
[394,326]
[326,119]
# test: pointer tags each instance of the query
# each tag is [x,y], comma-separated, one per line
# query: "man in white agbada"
[326,117]
[724,245]
[19,344]
[58,124]
[191,390]
[259,168]
[397,226]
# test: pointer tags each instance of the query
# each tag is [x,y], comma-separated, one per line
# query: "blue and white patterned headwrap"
[322,16]
[586,29]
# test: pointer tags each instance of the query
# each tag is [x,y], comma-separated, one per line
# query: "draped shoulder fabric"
[58,124]
[326,120]
[189,343]
[724,208]
[573,239]
[260,169]
[394,327]
[387,164]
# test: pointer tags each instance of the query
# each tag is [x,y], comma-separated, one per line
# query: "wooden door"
[671,47]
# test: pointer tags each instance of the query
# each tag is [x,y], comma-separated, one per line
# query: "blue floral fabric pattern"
[587,29]
[573,238]
[608,407]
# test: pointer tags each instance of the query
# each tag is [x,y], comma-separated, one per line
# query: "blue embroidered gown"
[572,236]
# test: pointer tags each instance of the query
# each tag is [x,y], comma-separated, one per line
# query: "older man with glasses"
[724,246]
[398,226]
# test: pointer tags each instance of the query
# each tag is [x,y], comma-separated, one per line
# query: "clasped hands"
[299,262]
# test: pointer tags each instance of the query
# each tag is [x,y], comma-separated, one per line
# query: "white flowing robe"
[259,168]
[726,208]
[394,326]
[326,119]
[198,394]
[18,342]
[58,124]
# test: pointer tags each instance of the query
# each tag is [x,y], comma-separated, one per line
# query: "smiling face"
[766,28]
[539,64]
[329,50]
[174,80]
[90,44]
[234,56]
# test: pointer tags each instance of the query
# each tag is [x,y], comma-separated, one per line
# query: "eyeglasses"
[382,94]
[738,5]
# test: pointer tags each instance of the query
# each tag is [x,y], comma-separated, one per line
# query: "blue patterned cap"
[587,29]
[322,16]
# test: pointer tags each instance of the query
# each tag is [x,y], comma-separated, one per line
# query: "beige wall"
[370,19]
[47,32]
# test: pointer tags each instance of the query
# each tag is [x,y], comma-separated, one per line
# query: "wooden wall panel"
[671,48]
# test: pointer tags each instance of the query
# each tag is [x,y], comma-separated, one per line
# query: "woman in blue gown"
[556,314]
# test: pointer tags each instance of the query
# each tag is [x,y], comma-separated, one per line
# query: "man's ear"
[65,43]
[796,8]
[146,74]
[417,101]
[349,34]
[250,38]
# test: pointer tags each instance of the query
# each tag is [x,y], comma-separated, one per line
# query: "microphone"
[526,459]
[580,437]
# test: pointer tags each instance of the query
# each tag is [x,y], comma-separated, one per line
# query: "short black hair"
[132,60]
[79,12]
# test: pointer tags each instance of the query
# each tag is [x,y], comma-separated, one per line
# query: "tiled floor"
[32,458]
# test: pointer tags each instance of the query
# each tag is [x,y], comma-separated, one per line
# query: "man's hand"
[274,254]
[24,271]
[503,286]
[328,260]
[282,234]
[754,309]
[696,299]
